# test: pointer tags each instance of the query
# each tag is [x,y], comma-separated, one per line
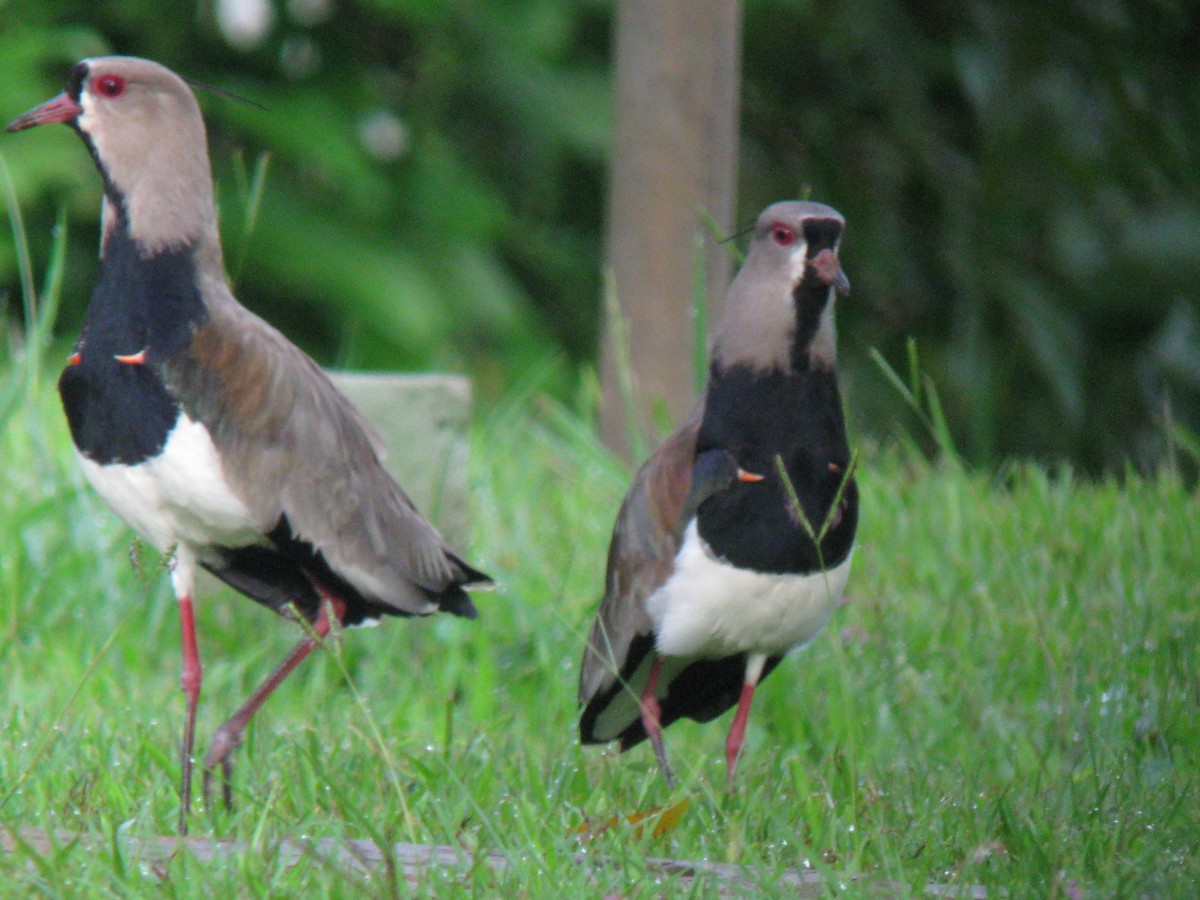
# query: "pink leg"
[737,731]
[652,719]
[229,735]
[190,682]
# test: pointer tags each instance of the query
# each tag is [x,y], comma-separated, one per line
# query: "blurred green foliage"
[435,184]
[1020,180]
[1021,185]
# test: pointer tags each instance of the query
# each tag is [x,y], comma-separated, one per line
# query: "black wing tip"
[587,721]
[631,737]
[454,599]
[587,725]
[469,576]
[633,734]
[456,602]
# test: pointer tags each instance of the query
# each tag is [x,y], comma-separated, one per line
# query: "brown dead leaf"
[987,850]
[665,820]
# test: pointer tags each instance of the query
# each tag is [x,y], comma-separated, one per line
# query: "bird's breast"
[143,312]
[788,429]
[118,412]
[709,607]
[178,496]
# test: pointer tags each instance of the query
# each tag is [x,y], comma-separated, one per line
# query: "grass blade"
[920,392]
[22,381]
[21,244]
[251,190]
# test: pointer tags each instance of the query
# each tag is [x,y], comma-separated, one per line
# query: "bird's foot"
[227,739]
[651,711]
[660,756]
[185,790]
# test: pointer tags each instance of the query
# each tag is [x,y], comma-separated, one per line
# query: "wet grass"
[1009,698]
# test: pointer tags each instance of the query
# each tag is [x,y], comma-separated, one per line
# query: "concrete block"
[423,420]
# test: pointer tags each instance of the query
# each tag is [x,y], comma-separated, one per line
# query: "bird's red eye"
[784,236]
[110,85]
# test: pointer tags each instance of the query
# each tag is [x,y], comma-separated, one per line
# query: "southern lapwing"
[733,545]
[207,430]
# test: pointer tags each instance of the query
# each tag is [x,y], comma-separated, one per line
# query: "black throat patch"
[142,312]
[811,296]
[795,417]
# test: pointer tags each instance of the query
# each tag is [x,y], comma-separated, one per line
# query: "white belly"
[710,608]
[180,496]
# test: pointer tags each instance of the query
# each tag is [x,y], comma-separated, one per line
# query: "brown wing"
[294,447]
[645,541]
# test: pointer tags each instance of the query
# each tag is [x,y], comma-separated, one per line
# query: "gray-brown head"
[143,126]
[779,311]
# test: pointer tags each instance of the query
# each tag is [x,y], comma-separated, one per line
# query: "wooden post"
[674,161]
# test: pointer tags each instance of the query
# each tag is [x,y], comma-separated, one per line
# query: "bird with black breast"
[205,429]
[733,545]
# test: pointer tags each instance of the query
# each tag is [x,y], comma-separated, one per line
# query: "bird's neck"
[164,195]
[814,340]
[161,214]
[795,334]
[775,411]
[145,299]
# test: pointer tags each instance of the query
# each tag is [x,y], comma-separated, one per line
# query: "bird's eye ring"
[783,235]
[110,85]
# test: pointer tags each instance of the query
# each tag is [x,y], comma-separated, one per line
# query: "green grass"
[1011,696]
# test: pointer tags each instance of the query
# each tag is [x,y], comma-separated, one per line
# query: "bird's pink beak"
[829,269]
[56,110]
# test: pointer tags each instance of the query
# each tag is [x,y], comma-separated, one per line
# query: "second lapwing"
[733,545]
